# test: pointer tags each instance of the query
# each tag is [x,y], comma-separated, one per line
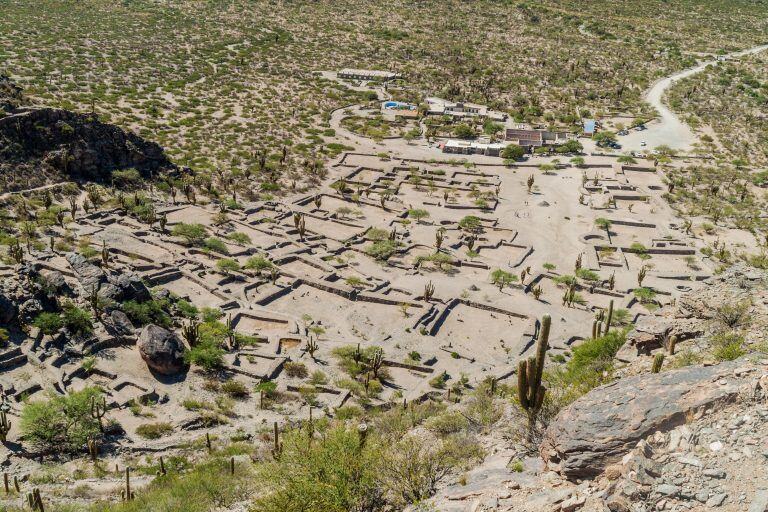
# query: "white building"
[441,107]
[467,147]
[367,74]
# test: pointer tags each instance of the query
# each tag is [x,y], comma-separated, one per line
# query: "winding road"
[668,129]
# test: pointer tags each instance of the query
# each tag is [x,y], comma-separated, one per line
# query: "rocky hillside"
[39,146]
[691,437]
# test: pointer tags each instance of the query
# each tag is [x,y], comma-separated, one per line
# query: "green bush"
[149,312]
[154,430]
[78,321]
[382,249]
[206,354]
[727,346]
[126,178]
[62,423]
[48,323]
[297,370]
[235,388]
[216,245]
[335,475]
[186,309]
[193,234]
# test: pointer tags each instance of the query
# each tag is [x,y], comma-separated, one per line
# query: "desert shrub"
[211,314]
[154,430]
[336,475]
[733,314]
[447,423]
[482,408]
[77,320]
[382,249]
[727,346]
[377,234]
[148,312]
[587,275]
[126,178]
[206,354]
[591,365]
[48,323]
[193,234]
[348,412]
[644,295]
[412,468]
[227,265]
[471,223]
[202,488]
[294,369]
[235,388]
[60,422]
[258,263]
[215,245]
[240,238]
[318,378]
[186,309]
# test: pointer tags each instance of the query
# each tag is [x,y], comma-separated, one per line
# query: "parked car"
[642,143]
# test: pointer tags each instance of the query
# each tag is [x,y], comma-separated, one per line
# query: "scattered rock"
[162,350]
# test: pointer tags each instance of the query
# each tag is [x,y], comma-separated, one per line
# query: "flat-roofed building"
[535,138]
[462,110]
[466,147]
[367,74]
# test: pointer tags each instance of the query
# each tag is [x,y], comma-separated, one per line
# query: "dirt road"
[669,129]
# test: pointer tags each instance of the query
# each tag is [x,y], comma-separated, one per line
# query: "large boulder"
[162,350]
[89,275]
[8,310]
[119,325]
[599,428]
[130,287]
[652,332]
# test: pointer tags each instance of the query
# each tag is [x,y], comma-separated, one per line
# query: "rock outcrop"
[599,428]
[11,95]
[739,291]
[39,146]
[162,350]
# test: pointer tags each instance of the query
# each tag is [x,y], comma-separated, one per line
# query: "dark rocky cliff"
[39,146]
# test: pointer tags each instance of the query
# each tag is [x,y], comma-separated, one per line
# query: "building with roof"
[529,138]
[590,127]
[461,110]
[367,75]
[467,147]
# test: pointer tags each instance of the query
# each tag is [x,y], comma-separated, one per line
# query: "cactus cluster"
[34,500]
[5,427]
[191,332]
[127,494]
[658,361]
[93,449]
[16,252]
[277,449]
[376,362]
[529,373]
[429,291]
[99,410]
[672,344]
[312,346]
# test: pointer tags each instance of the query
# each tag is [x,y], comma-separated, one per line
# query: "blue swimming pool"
[398,105]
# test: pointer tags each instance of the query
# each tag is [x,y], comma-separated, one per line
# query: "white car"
[642,143]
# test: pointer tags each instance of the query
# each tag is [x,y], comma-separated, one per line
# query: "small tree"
[193,234]
[513,152]
[418,214]
[502,278]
